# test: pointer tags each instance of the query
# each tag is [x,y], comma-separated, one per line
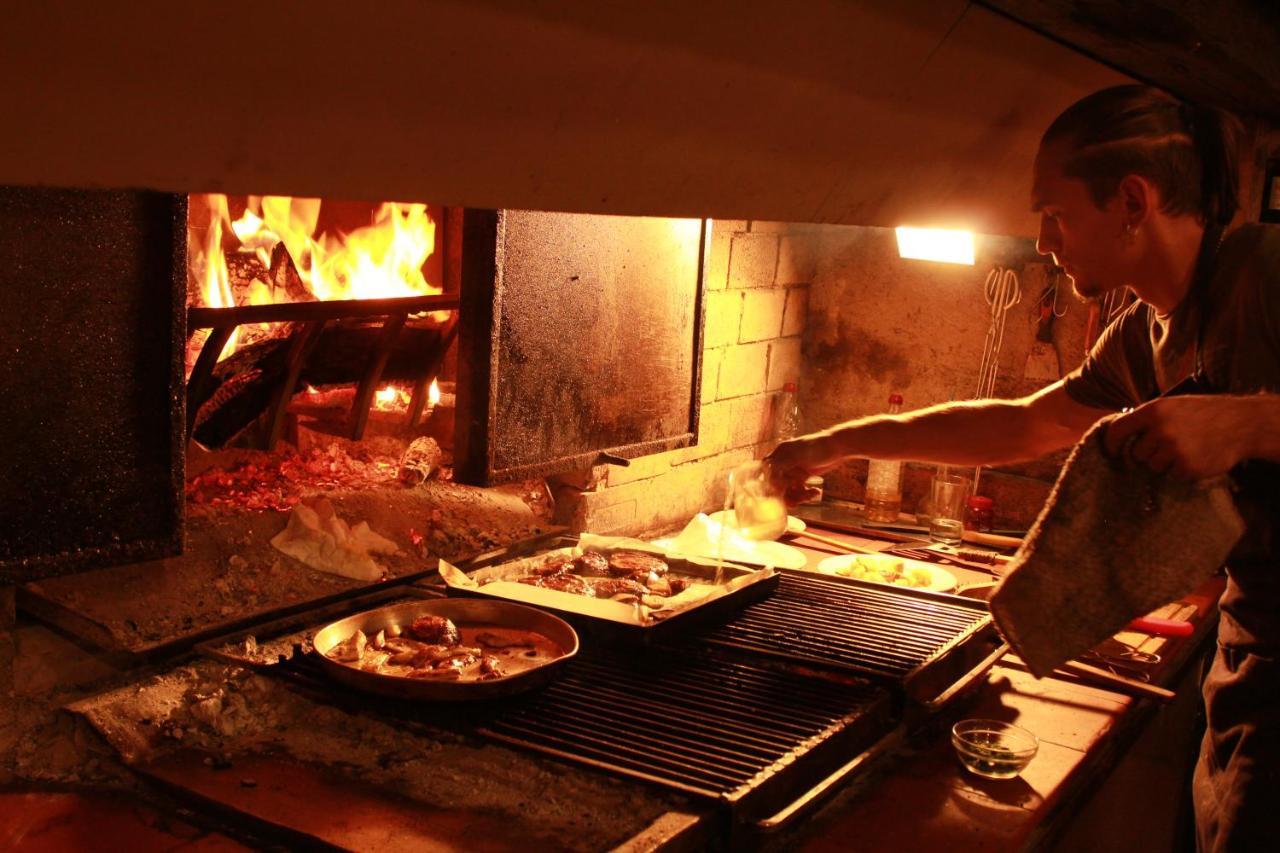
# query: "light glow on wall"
[950,246]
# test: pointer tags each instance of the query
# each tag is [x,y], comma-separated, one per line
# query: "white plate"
[940,580]
[794,525]
[766,553]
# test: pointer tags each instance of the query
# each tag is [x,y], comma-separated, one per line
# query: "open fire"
[286,294]
[280,249]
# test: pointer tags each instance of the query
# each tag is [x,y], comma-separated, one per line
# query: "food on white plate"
[884,569]
[434,648]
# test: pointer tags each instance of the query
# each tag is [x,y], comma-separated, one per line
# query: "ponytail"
[1216,139]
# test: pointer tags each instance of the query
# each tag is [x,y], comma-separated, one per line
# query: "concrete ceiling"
[880,112]
[1220,52]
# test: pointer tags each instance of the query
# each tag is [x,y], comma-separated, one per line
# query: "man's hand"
[791,462]
[1193,437]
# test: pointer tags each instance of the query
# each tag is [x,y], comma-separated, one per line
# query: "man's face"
[1085,240]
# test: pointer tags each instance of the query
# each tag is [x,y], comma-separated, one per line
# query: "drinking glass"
[948,494]
[759,510]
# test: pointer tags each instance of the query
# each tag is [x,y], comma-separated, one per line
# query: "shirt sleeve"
[1118,372]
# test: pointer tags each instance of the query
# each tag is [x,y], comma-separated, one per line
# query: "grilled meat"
[592,563]
[563,583]
[635,564]
[560,568]
[436,630]
[610,587]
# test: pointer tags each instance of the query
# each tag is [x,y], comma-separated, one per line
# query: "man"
[1134,189]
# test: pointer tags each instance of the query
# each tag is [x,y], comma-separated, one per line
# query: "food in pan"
[433,647]
[620,575]
[435,629]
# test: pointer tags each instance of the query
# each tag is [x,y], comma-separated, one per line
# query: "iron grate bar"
[692,721]
[692,715]
[828,622]
[777,711]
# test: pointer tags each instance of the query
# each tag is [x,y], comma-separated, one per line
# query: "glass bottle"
[884,481]
[787,423]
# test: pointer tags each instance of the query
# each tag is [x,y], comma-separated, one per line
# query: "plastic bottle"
[787,423]
[884,481]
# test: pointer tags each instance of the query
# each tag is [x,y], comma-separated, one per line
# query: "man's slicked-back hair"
[1188,152]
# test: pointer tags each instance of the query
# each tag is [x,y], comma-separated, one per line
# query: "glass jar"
[979,513]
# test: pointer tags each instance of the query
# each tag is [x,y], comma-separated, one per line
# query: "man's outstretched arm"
[979,432]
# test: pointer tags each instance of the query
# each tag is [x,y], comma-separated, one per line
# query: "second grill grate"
[884,632]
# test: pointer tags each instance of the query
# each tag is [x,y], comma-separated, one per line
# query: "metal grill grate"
[697,723]
[846,625]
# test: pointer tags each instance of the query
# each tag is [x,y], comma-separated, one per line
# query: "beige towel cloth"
[1114,542]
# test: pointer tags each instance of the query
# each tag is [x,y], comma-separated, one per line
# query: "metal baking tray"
[739,586]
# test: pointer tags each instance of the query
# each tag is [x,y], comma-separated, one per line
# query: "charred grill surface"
[866,628]
[732,731]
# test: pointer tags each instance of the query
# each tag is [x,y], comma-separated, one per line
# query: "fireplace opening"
[316,310]
[339,362]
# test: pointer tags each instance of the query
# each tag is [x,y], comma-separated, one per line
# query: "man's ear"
[1137,199]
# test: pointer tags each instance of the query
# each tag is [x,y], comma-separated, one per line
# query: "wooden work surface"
[922,800]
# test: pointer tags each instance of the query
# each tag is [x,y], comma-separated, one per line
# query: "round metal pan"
[462,612]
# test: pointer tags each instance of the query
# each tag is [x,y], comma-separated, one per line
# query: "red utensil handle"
[1162,627]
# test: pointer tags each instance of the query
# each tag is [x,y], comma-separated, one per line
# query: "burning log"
[248,382]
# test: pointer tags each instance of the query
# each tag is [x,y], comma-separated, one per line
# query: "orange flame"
[391,398]
[433,394]
[381,260]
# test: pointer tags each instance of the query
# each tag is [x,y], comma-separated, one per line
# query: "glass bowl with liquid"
[759,511]
[992,749]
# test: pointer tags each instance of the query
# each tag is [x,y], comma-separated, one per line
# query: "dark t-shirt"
[1236,325]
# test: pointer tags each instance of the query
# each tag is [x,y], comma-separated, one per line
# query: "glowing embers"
[946,245]
[391,398]
[397,398]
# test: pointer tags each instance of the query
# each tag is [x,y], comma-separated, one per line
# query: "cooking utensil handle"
[967,679]
[993,540]
[1162,627]
[926,555]
[819,792]
[1119,683]
[837,544]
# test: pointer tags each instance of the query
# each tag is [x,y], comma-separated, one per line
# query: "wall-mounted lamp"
[947,245]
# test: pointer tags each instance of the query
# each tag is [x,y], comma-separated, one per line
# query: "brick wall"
[881,324]
[837,310]
[757,283]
